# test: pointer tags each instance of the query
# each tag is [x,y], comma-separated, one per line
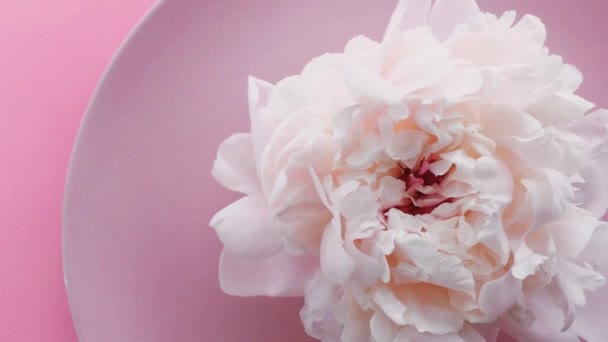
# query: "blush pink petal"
[489,332]
[546,327]
[279,275]
[261,130]
[459,82]
[407,15]
[499,295]
[559,109]
[367,270]
[364,82]
[381,327]
[590,321]
[440,184]
[570,78]
[234,166]
[246,227]
[418,68]
[532,30]
[356,325]
[318,312]
[500,121]
[336,264]
[446,15]
[572,232]
[549,195]
[593,193]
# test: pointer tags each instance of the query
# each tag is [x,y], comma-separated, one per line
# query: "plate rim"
[109,70]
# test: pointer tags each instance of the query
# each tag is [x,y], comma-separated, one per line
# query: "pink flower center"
[415,179]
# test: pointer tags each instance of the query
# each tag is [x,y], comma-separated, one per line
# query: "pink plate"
[140,258]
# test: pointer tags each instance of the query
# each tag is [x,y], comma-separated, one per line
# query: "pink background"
[53,53]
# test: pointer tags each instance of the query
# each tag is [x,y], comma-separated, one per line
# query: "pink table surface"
[52,54]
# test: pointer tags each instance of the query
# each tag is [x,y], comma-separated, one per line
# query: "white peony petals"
[532,28]
[318,312]
[440,167]
[460,81]
[526,262]
[570,77]
[446,15]
[382,328]
[559,109]
[547,323]
[574,280]
[259,93]
[390,305]
[423,67]
[234,166]
[573,231]
[493,179]
[499,295]
[549,195]
[592,193]
[434,267]
[336,264]
[278,275]
[407,15]
[246,227]
[436,186]
[428,313]
[406,145]
[412,335]
[487,332]
[392,191]
[364,82]
[367,269]
[590,320]
[359,203]
[356,324]
[502,121]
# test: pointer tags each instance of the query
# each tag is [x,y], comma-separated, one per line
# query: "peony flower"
[440,185]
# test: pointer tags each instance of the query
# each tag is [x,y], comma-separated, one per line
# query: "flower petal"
[499,295]
[278,275]
[390,305]
[364,82]
[546,326]
[318,313]
[429,311]
[435,267]
[549,196]
[503,121]
[526,262]
[234,166]
[407,15]
[559,109]
[259,93]
[356,324]
[406,145]
[446,15]
[573,231]
[336,264]
[593,193]
[590,321]
[382,328]
[246,228]
[489,332]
